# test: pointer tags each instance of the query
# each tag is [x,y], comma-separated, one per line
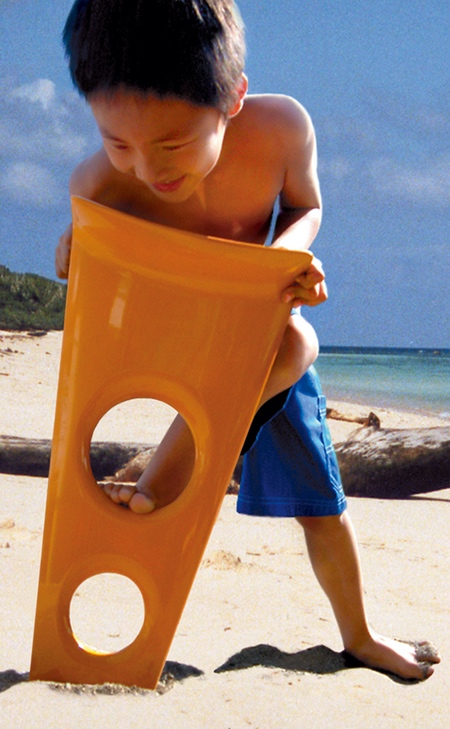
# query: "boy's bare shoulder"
[278,114]
[94,178]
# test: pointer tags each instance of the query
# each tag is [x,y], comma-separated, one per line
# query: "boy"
[184,146]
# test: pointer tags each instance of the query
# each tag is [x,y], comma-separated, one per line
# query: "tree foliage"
[29,301]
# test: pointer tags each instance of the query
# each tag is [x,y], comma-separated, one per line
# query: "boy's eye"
[174,147]
[119,146]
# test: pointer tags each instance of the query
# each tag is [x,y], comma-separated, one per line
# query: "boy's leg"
[298,351]
[290,468]
[166,475]
[171,467]
[334,557]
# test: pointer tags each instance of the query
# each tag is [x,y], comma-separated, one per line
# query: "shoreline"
[389,417]
[29,366]
[363,402]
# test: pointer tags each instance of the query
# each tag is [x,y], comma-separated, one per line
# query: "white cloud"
[395,148]
[43,135]
[429,184]
[354,133]
[37,124]
[336,167]
[26,182]
[404,112]
[54,141]
[41,91]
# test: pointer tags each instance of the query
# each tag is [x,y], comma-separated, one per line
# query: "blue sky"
[374,76]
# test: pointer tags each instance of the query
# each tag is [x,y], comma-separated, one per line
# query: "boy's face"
[169,144]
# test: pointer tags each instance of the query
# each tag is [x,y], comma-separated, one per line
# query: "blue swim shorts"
[290,466]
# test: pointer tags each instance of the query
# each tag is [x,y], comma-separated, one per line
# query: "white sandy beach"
[254,588]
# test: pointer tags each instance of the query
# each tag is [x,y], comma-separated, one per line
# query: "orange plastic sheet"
[152,312]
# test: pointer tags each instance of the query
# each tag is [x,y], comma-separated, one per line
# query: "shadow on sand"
[318,659]
[11,678]
[173,673]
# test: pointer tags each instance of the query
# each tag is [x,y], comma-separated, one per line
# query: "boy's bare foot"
[406,660]
[128,495]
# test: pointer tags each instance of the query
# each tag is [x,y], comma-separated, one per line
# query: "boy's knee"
[298,350]
[301,344]
[322,525]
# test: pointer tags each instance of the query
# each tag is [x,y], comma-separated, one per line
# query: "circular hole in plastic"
[107,612]
[137,436]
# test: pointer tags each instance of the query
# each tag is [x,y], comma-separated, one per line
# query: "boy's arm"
[87,180]
[300,201]
[62,253]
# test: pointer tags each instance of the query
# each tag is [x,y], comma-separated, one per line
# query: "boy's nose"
[150,171]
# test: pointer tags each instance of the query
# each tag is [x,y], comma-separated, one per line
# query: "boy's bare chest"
[237,205]
[229,219]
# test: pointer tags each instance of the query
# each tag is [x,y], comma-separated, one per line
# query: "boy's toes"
[126,493]
[110,489]
[118,492]
[426,669]
[140,503]
[426,652]
[114,493]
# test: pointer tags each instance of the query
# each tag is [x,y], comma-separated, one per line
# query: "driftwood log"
[31,457]
[388,463]
[371,419]
[28,457]
[374,462]
[109,460]
[133,469]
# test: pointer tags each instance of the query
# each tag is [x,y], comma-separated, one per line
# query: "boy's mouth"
[169,186]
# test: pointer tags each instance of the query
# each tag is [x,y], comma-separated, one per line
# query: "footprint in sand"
[10,532]
[222,560]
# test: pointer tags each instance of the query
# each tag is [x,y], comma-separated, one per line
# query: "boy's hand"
[62,253]
[308,288]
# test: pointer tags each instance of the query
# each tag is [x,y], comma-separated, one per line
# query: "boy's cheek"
[117,163]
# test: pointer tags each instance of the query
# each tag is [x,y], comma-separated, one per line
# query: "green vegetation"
[29,301]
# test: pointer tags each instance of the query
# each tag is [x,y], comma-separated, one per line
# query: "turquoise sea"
[412,380]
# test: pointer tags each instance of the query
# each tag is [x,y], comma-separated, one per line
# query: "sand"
[257,645]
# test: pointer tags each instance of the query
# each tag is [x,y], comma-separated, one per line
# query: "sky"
[374,76]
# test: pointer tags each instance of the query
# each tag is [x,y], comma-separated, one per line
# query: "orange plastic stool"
[159,313]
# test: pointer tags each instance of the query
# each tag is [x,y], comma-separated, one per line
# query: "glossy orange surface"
[158,313]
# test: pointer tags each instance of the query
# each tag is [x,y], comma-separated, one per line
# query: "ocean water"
[411,380]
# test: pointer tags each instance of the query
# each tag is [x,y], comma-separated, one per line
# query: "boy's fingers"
[62,257]
[312,296]
[311,277]
[316,295]
[62,253]
[60,266]
[62,271]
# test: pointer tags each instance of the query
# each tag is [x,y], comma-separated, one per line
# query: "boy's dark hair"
[190,49]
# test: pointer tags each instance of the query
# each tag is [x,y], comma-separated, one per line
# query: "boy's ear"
[238,96]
